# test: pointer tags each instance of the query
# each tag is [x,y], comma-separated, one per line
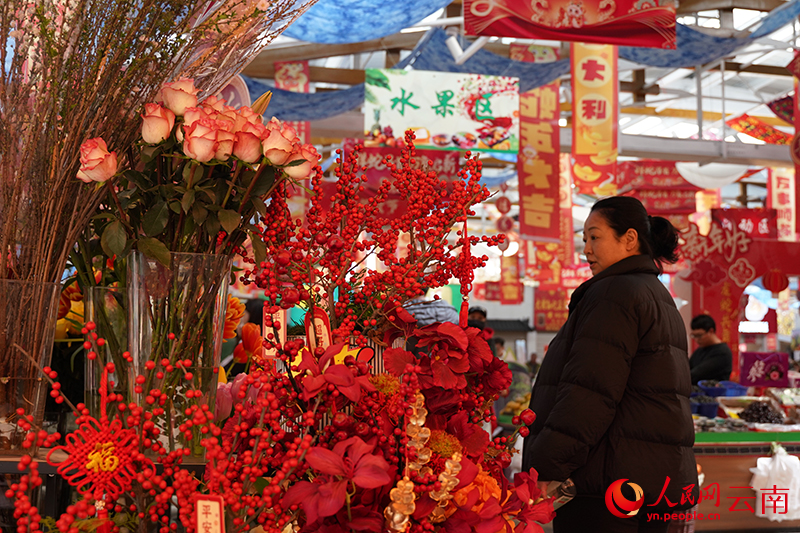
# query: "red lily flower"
[252,345]
[531,514]
[346,379]
[350,462]
[497,376]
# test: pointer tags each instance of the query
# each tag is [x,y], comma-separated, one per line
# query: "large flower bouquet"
[324,433]
[186,208]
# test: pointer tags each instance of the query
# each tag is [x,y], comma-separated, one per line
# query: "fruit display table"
[726,460]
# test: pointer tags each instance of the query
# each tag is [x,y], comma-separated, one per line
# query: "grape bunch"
[703,399]
[761,412]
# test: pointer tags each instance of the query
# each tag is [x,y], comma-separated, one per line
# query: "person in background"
[713,358]
[476,318]
[612,395]
[533,365]
[500,347]
[431,311]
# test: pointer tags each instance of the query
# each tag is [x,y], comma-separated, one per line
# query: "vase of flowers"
[179,217]
[177,314]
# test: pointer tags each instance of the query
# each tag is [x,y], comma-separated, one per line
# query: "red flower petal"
[326,461]
[443,376]
[371,472]
[396,359]
[331,497]
[340,376]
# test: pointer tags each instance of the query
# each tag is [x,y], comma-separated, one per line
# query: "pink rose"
[193,114]
[97,163]
[288,132]
[157,123]
[214,103]
[308,153]
[247,147]
[200,140]
[225,141]
[276,147]
[179,95]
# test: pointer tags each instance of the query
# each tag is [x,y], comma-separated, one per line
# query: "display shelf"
[747,436]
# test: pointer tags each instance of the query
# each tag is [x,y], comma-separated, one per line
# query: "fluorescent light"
[642,126]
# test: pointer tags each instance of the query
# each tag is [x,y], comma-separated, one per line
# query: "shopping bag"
[776,482]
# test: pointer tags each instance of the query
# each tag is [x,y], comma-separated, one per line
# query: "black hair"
[704,322]
[658,238]
[477,309]
[500,341]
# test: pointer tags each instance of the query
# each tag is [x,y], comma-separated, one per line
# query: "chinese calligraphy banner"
[594,118]
[650,174]
[755,222]
[510,286]
[759,130]
[624,22]
[781,197]
[666,201]
[446,111]
[538,165]
[549,308]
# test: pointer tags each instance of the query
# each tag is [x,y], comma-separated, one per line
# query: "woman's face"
[602,247]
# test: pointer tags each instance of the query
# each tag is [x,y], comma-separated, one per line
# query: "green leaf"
[264,183]
[154,249]
[187,200]
[370,97]
[155,220]
[114,239]
[199,213]
[260,484]
[212,225]
[175,206]
[295,163]
[259,248]
[229,219]
[376,77]
[260,206]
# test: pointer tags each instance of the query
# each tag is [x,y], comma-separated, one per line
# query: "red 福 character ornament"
[102,457]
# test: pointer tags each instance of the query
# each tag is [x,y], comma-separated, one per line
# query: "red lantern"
[775,281]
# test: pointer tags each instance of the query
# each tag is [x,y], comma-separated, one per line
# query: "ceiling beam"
[693,6]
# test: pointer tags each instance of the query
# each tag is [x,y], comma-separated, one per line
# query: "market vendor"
[713,359]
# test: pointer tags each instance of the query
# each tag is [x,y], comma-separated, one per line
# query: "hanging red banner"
[492,291]
[759,130]
[572,276]
[757,223]
[794,148]
[650,174]
[781,197]
[532,53]
[549,308]
[537,164]
[510,286]
[666,201]
[625,22]
[567,244]
[594,118]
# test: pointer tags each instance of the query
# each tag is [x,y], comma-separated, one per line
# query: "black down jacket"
[612,395]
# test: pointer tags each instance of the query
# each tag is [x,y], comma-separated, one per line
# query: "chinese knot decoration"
[102,457]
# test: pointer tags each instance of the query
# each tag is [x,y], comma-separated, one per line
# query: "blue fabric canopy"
[694,48]
[355,21]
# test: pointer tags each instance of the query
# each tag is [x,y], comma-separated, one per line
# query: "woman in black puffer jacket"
[612,395]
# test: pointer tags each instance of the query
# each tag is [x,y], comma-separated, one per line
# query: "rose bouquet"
[178,218]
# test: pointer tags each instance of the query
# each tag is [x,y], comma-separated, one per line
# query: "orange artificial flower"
[233,315]
[486,485]
[252,345]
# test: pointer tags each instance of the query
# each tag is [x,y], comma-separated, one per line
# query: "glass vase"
[107,307]
[176,320]
[28,311]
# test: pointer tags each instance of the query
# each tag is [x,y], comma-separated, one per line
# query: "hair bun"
[664,239]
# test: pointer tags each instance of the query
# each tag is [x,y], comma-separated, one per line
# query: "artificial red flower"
[480,355]
[472,437]
[403,324]
[350,462]
[252,345]
[497,377]
[321,373]
[447,360]
[525,498]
